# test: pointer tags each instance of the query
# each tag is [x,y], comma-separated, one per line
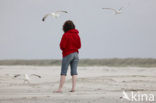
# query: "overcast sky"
[131,34]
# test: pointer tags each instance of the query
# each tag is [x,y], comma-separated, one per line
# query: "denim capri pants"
[72,60]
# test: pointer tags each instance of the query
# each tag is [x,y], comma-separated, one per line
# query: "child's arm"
[79,41]
[63,42]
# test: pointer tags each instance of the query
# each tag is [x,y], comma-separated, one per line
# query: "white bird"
[116,11]
[53,14]
[26,77]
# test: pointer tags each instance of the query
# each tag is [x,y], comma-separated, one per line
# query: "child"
[70,43]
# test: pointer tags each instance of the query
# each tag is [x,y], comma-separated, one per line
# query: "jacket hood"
[73,31]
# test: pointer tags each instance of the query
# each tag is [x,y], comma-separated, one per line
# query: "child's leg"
[62,79]
[74,77]
[73,65]
[65,63]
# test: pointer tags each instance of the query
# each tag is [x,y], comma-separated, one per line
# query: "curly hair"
[68,25]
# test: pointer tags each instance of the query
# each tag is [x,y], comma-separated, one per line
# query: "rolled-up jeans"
[72,60]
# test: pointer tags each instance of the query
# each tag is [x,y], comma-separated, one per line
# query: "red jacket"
[70,42]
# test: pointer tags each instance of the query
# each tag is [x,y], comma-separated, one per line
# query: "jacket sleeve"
[63,42]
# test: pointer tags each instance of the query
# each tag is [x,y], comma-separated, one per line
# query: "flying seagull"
[26,77]
[53,14]
[116,11]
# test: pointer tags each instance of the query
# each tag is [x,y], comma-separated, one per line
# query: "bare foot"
[58,91]
[72,91]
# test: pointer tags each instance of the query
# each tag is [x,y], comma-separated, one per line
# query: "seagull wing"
[17,75]
[111,9]
[43,19]
[36,75]
[61,12]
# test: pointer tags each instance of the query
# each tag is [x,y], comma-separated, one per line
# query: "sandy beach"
[96,84]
